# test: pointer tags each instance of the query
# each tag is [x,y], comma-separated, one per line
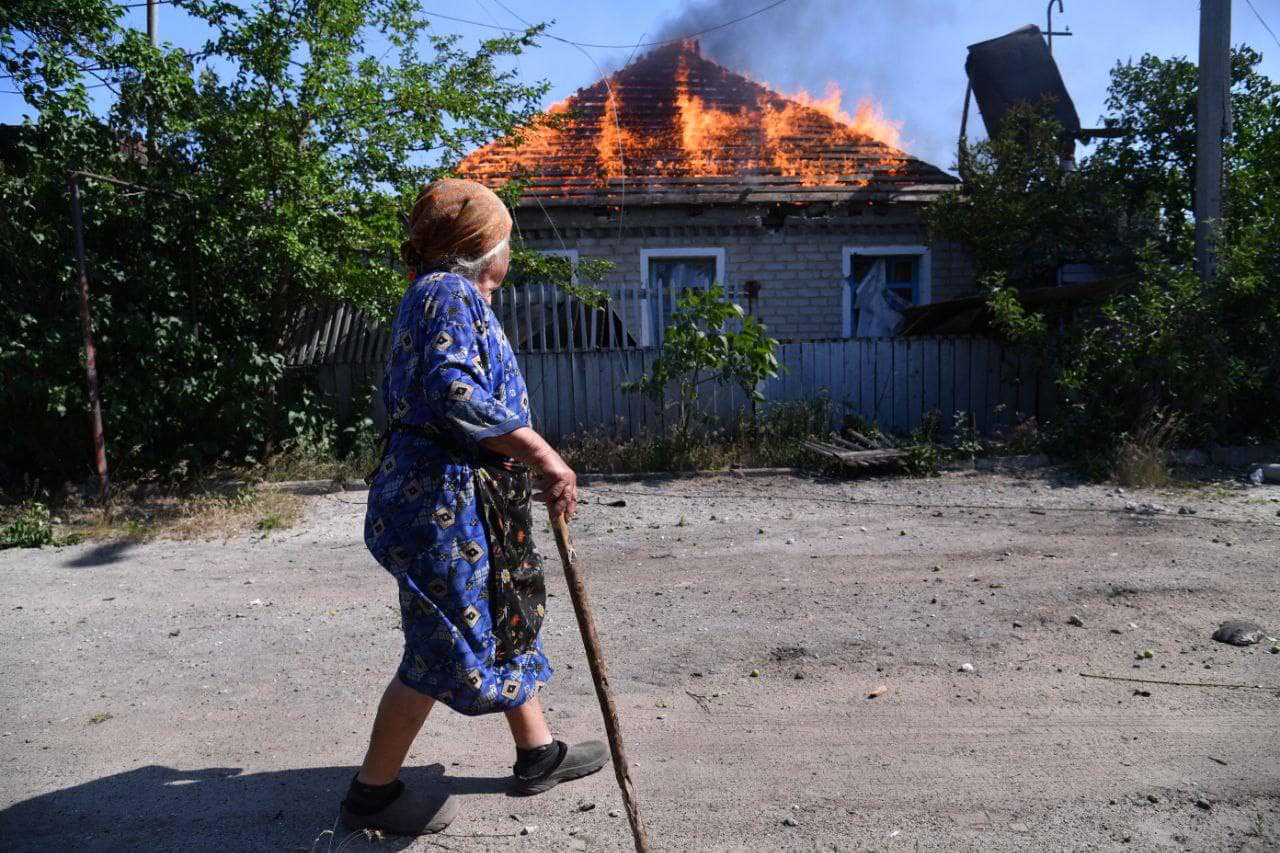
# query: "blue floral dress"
[451,371]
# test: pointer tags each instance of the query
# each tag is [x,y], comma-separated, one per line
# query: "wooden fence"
[893,382]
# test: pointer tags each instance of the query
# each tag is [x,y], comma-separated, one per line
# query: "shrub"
[33,528]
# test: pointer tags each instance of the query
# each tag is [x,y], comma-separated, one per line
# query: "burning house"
[684,174]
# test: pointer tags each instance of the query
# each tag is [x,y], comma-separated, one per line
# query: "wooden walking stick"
[587,625]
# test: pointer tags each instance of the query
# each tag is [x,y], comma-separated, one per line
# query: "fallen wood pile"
[857,450]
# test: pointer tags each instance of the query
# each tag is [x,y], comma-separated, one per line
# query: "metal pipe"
[86,324]
[1049,22]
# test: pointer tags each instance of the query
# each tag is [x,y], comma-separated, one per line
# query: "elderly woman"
[449,517]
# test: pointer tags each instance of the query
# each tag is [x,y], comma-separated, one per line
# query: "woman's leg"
[528,725]
[401,714]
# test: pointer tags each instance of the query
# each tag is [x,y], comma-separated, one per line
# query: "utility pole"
[1213,122]
[151,21]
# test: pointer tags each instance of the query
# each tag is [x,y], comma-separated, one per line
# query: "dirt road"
[217,695]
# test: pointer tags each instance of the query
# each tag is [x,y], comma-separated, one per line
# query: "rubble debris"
[1238,632]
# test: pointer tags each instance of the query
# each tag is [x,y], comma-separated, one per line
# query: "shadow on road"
[101,555]
[160,808]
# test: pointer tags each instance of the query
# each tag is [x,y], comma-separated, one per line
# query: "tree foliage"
[700,345]
[285,151]
[1170,346]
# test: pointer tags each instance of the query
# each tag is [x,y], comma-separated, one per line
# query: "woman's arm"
[556,481]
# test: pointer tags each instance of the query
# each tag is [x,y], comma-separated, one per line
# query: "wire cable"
[581,44]
[1265,25]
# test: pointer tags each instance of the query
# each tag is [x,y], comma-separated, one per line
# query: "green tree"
[1168,346]
[287,150]
[701,346]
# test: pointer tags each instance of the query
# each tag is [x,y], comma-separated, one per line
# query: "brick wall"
[797,258]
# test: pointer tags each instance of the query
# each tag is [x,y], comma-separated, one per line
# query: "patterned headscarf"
[454,220]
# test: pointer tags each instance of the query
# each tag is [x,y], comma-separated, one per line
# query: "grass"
[208,515]
[323,464]
[1142,460]
[770,439]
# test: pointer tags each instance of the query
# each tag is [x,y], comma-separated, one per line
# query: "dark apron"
[517,589]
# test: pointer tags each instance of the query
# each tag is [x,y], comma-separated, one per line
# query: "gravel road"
[217,695]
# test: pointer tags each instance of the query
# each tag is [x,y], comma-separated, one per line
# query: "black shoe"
[411,813]
[581,759]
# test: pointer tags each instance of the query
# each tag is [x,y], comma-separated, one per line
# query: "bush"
[1202,352]
[282,157]
[33,528]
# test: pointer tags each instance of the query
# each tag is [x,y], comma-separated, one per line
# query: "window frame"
[924,275]
[648,333]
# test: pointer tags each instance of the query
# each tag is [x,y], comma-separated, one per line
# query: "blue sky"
[907,54]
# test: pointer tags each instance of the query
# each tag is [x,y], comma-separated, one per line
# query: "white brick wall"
[799,264]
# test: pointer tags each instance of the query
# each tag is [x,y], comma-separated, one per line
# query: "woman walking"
[449,517]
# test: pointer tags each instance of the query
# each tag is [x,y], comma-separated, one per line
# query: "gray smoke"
[907,55]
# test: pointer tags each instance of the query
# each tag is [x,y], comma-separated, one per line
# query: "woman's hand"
[557,486]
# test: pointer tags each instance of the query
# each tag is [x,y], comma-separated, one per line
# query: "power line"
[632,46]
[1265,26]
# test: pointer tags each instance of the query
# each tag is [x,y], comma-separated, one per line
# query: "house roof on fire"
[673,127]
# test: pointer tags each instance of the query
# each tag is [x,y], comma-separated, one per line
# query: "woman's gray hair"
[469,268]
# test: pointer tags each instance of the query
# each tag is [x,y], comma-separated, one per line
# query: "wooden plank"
[915,382]
[532,372]
[813,373]
[626,404]
[837,377]
[902,391]
[1025,369]
[931,359]
[568,393]
[867,366]
[788,377]
[963,385]
[607,384]
[1046,394]
[997,388]
[884,383]
[947,381]
[649,411]
[978,384]
[551,392]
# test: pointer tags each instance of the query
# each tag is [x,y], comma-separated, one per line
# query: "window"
[667,275]
[906,271]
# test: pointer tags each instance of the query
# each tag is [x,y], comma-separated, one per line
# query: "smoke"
[905,55]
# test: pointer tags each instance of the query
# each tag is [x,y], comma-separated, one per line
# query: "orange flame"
[743,128]
[869,120]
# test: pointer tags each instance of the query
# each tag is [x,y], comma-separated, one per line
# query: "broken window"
[901,274]
[881,282]
[671,277]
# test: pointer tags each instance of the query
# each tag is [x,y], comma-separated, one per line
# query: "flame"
[721,126]
[869,120]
